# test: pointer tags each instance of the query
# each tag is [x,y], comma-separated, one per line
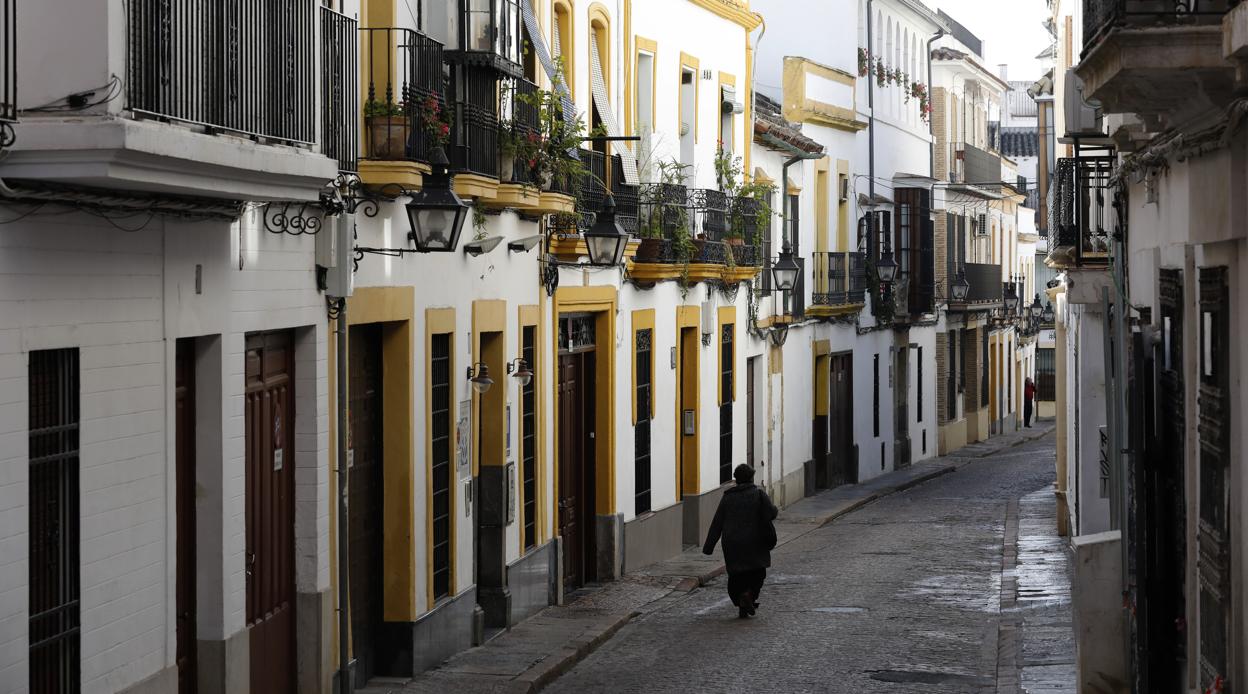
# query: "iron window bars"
[1101,16]
[404,71]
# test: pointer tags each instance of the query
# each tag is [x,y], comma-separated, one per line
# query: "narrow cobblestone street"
[904,594]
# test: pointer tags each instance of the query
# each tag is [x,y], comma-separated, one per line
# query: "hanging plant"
[864,62]
[433,121]
[881,75]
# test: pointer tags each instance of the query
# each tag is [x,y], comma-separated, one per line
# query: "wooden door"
[750,366]
[901,408]
[841,414]
[184,491]
[364,580]
[575,464]
[688,437]
[270,513]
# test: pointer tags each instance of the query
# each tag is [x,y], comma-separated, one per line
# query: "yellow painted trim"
[692,63]
[517,196]
[820,349]
[761,176]
[823,210]
[489,316]
[394,308]
[736,12]
[640,45]
[643,319]
[567,40]
[794,189]
[409,174]
[551,203]
[653,272]
[439,321]
[842,213]
[601,301]
[800,108]
[727,315]
[702,272]
[689,483]
[476,186]
[530,316]
[823,311]
[628,54]
[730,80]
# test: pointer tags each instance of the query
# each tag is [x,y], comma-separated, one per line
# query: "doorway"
[819,439]
[366,467]
[270,513]
[492,489]
[844,468]
[184,453]
[577,459]
[901,407]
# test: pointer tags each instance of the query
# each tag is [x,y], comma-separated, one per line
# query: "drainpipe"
[344,629]
[931,128]
[870,105]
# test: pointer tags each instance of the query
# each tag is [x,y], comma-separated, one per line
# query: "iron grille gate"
[55,659]
[440,463]
[1214,555]
[725,409]
[528,396]
[641,431]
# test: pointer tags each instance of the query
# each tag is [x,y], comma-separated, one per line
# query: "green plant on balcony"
[731,178]
[388,128]
[547,155]
[433,122]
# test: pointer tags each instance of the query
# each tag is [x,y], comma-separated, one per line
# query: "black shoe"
[743,612]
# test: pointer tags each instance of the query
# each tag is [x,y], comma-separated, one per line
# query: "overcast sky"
[1012,32]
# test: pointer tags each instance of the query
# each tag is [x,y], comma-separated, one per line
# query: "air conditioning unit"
[1083,116]
[339,241]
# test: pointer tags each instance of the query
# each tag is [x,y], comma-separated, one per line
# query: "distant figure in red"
[1029,397]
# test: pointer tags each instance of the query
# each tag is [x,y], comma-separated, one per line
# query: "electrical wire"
[63,104]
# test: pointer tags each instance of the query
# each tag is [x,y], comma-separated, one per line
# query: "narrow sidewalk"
[535,652]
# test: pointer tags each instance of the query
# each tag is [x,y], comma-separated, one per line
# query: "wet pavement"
[957,585]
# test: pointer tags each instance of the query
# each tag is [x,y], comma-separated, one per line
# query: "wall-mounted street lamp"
[886,269]
[606,239]
[1036,308]
[960,287]
[1048,315]
[785,271]
[518,369]
[1011,300]
[435,212]
[479,377]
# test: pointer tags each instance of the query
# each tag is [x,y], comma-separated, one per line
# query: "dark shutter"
[528,451]
[875,398]
[923,286]
[440,463]
[641,430]
[725,409]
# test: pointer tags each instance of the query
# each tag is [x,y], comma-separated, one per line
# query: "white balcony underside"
[136,155]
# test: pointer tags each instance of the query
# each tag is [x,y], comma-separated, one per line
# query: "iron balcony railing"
[985,281]
[8,61]
[1100,16]
[840,279]
[664,209]
[602,173]
[521,117]
[246,67]
[340,91]
[474,122]
[1080,211]
[404,72]
[709,210]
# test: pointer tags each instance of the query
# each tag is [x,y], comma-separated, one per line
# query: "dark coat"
[739,520]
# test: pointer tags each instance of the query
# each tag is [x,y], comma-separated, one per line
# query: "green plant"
[374,108]
[478,223]
[433,120]
[729,173]
[546,151]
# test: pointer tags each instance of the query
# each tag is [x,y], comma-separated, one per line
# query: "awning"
[543,56]
[607,114]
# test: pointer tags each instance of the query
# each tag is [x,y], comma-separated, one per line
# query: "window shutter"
[599,86]
[543,57]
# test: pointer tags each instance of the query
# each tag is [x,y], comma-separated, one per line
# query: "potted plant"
[518,149]
[748,207]
[388,129]
[433,121]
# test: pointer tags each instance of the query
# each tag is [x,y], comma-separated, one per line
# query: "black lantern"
[519,369]
[886,268]
[435,212]
[960,287]
[479,377]
[1011,298]
[784,272]
[1036,308]
[1047,317]
[606,239]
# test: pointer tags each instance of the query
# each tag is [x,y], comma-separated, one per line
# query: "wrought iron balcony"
[8,64]
[474,122]
[840,279]
[490,36]
[986,290]
[971,165]
[664,209]
[340,91]
[710,213]
[245,67]
[602,173]
[1101,16]
[404,71]
[1080,208]
[522,118]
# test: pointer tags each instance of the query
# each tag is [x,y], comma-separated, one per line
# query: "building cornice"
[733,11]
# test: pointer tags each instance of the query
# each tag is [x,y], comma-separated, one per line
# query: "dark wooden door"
[841,413]
[819,448]
[901,407]
[270,515]
[184,451]
[364,580]
[750,366]
[576,466]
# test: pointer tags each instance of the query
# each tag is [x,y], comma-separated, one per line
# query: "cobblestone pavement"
[903,595]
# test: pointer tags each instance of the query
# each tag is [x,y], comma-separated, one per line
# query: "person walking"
[744,520]
[1029,397]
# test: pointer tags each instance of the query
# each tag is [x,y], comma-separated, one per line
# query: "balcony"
[694,235]
[590,197]
[1156,58]
[972,166]
[1080,209]
[213,99]
[340,92]
[404,72]
[840,284]
[490,36]
[474,128]
[986,292]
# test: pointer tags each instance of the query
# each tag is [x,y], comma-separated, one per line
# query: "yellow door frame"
[688,477]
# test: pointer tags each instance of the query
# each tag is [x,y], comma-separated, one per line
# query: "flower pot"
[388,136]
[649,251]
[734,241]
[506,164]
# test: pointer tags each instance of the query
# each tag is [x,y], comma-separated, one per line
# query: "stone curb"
[551,667]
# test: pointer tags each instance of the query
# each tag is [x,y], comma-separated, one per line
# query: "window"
[528,437]
[875,398]
[919,390]
[726,353]
[1046,375]
[983,377]
[645,412]
[955,364]
[55,658]
[561,41]
[768,249]
[440,463]
[645,93]
[688,109]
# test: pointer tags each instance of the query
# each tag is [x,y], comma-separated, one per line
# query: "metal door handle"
[250,562]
